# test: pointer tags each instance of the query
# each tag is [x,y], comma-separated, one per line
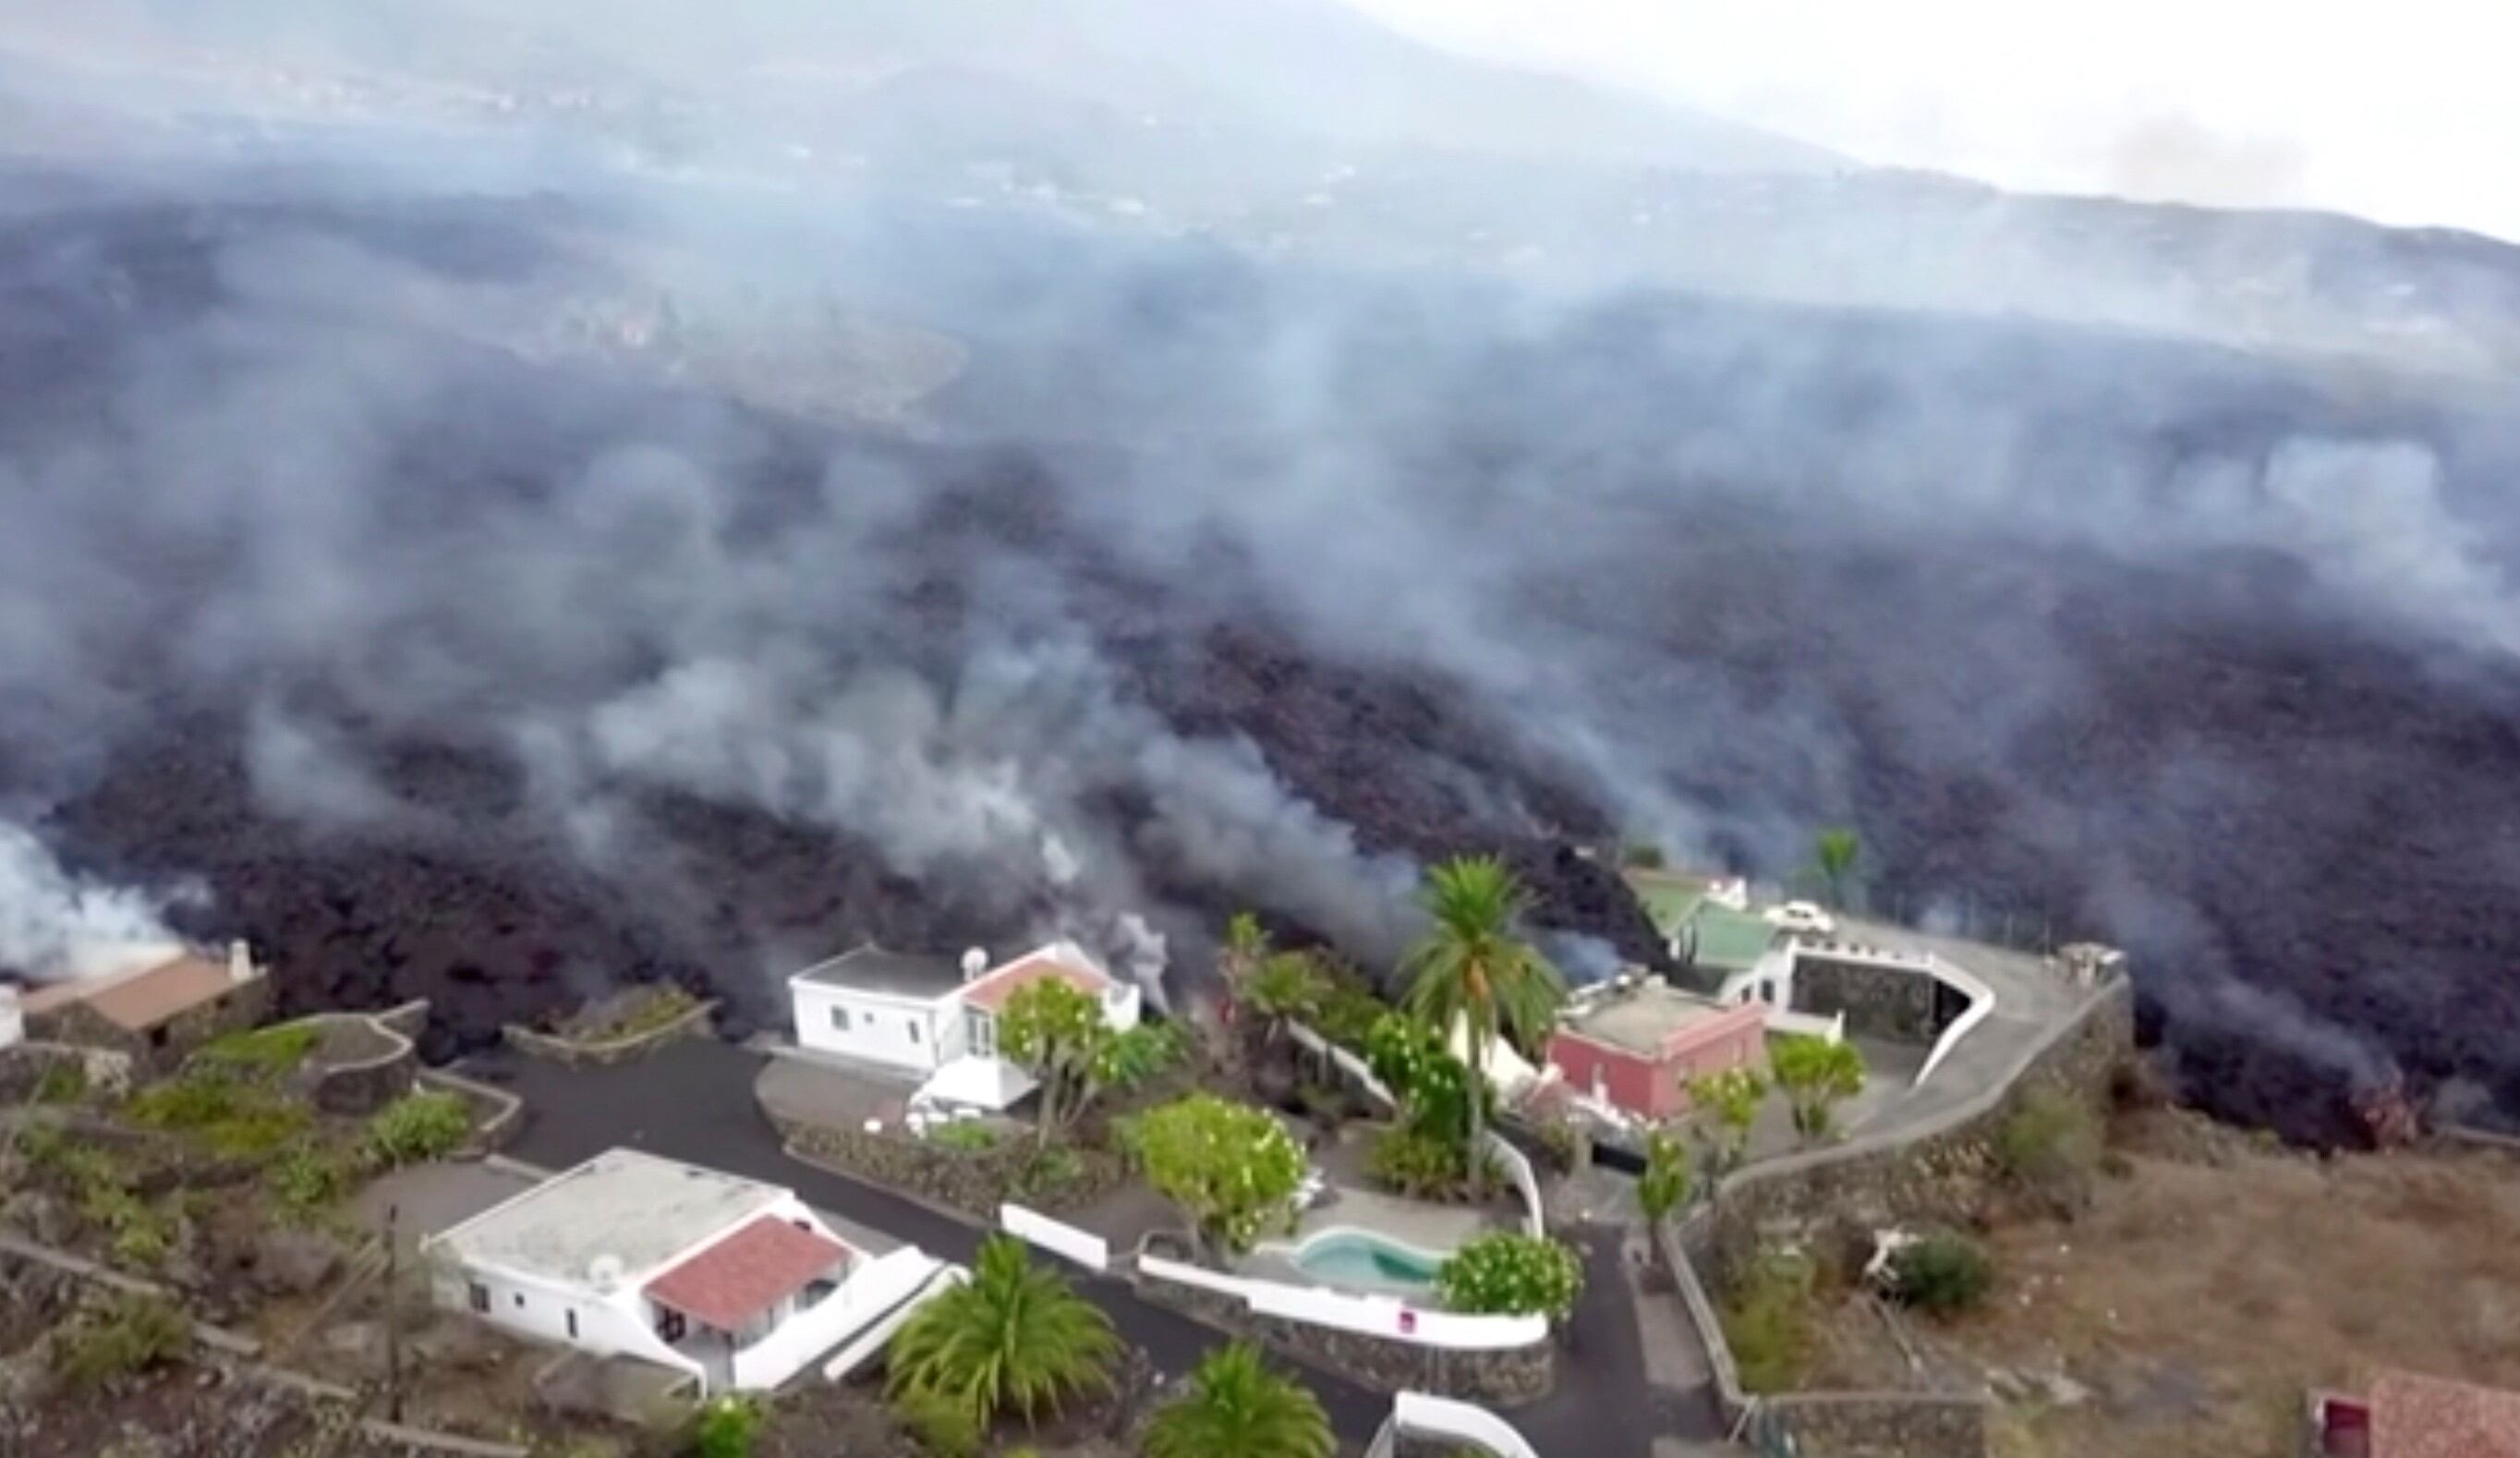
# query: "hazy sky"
[2402,112]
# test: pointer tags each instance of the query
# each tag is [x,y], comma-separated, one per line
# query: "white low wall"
[1083,1246]
[1348,1063]
[872,1341]
[1517,1167]
[1981,1005]
[1421,1415]
[1371,1315]
[870,1292]
[1832,1028]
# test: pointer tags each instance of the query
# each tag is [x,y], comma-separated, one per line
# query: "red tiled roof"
[990,993]
[743,1275]
[2426,1417]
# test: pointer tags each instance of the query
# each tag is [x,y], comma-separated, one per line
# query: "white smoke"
[55,924]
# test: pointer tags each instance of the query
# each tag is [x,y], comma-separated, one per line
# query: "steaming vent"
[975,960]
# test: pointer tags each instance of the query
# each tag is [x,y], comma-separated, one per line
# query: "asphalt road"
[693,1101]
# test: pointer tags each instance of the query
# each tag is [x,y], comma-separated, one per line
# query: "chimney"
[974,962]
[240,962]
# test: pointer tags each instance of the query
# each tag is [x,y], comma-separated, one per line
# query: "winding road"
[693,1101]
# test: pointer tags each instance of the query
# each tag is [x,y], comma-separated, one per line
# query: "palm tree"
[1470,971]
[1235,1405]
[1833,854]
[1015,1335]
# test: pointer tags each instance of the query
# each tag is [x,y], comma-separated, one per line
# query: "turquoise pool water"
[1356,1258]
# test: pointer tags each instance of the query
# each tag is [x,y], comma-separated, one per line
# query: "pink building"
[1636,1049]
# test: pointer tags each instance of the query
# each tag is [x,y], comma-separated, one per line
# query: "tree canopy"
[1015,1336]
[1236,1405]
[1816,1075]
[1506,1272]
[1472,972]
[1055,1032]
[1231,1169]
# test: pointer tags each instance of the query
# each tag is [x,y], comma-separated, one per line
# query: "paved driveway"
[693,1101]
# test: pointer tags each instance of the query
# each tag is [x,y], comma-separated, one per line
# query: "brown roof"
[741,1276]
[141,999]
[992,991]
[2426,1417]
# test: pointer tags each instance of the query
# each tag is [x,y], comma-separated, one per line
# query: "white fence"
[1348,1063]
[1371,1315]
[870,1292]
[1083,1246]
[1832,1028]
[871,1341]
[1517,1166]
[1421,1415]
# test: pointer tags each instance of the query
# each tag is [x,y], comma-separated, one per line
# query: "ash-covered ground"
[339,611]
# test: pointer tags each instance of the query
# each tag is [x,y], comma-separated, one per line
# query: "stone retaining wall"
[1495,1379]
[496,1112]
[1891,1003]
[1913,1176]
[361,1085]
[974,1182]
[617,1050]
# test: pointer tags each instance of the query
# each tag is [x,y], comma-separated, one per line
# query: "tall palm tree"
[1833,854]
[1015,1335]
[1235,1405]
[1472,971]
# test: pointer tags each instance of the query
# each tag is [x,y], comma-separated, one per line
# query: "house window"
[914,1030]
[983,1029]
[840,1020]
[477,1296]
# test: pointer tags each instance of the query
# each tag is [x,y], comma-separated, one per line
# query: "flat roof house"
[1635,1046]
[731,1280]
[937,1020]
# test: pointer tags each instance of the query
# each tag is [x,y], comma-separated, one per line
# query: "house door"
[982,1028]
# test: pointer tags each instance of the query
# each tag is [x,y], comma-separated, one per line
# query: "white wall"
[1526,1182]
[871,1291]
[1374,1315]
[899,1030]
[606,1325]
[1424,1416]
[1083,1246]
[13,1018]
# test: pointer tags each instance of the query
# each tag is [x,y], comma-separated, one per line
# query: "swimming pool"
[1359,1257]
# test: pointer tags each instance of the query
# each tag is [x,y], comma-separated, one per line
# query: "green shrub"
[64,1083]
[128,1335]
[941,1427]
[235,1116]
[309,1177]
[1768,1322]
[1506,1273]
[727,1428]
[140,1235]
[418,1127]
[1419,1165]
[262,1052]
[967,1135]
[1641,856]
[1347,1008]
[1047,1174]
[2051,1146]
[1944,1274]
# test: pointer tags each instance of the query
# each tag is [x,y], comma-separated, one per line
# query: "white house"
[732,1281]
[13,1018]
[934,1018]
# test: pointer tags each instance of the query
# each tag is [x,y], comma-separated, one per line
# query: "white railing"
[1423,1414]
[1832,1028]
[871,1291]
[1371,1315]
[872,1341]
[1083,1246]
